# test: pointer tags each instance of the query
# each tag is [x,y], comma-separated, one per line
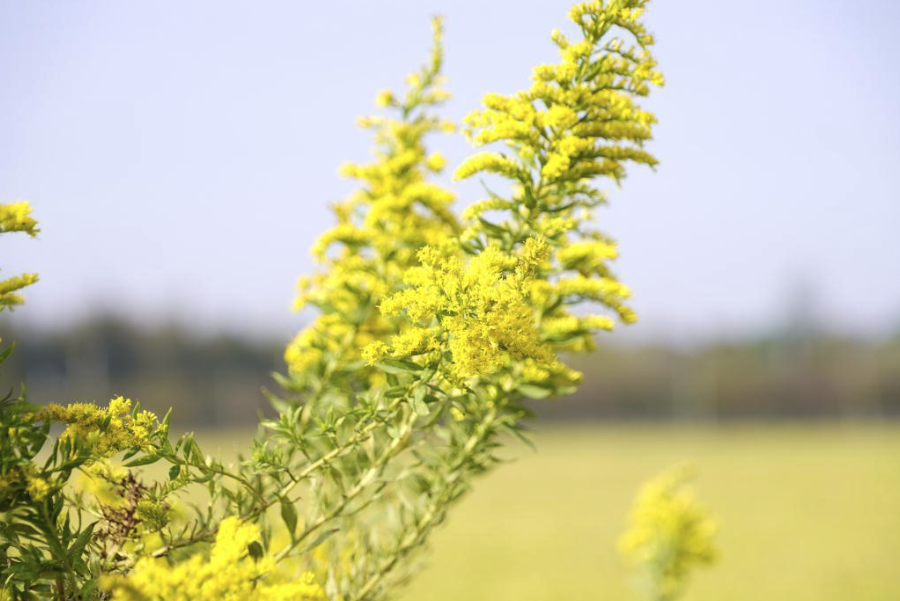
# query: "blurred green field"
[808,512]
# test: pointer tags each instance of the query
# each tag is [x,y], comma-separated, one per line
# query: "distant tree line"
[211,380]
[219,380]
[774,377]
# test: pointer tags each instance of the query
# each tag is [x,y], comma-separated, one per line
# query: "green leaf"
[398,366]
[77,547]
[518,433]
[145,460]
[5,353]
[418,402]
[560,208]
[289,515]
[174,472]
[255,550]
[87,591]
[491,227]
[395,392]
[534,392]
[316,542]
[194,453]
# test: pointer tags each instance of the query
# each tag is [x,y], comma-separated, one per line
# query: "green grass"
[808,512]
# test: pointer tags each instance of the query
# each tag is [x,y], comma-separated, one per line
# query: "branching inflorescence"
[432,331]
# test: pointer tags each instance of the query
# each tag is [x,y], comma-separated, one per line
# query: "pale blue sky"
[181,155]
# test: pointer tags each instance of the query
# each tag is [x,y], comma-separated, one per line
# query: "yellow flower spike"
[487,161]
[375,242]
[107,431]
[577,124]
[16,217]
[10,287]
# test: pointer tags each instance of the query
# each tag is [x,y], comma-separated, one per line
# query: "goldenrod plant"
[433,329]
[670,534]
[16,217]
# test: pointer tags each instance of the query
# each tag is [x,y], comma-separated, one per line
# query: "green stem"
[396,447]
[58,553]
[424,524]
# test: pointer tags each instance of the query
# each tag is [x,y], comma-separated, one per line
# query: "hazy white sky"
[181,155]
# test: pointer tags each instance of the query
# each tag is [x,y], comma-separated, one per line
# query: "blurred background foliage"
[217,380]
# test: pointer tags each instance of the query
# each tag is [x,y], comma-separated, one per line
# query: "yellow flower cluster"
[228,574]
[379,231]
[481,306]
[25,476]
[37,487]
[670,533]
[106,430]
[579,121]
[16,217]
[9,288]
